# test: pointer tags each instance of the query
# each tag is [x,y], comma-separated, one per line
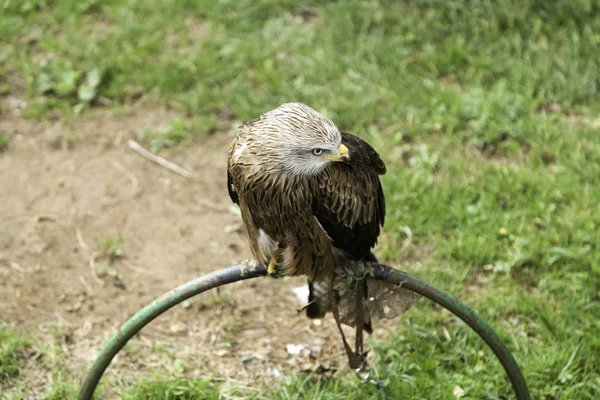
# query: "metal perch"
[241,272]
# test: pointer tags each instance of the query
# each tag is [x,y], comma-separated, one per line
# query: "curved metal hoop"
[242,272]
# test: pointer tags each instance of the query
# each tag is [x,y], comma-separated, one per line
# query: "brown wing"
[351,209]
[351,206]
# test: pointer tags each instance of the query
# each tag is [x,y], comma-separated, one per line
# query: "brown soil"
[65,186]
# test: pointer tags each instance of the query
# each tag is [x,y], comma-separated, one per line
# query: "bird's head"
[300,140]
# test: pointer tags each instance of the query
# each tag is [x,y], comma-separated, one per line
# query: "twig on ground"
[81,242]
[92,263]
[135,184]
[16,265]
[92,256]
[134,268]
[87,287]
[135,146]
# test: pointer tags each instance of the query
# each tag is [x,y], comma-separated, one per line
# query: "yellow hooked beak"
[343,155]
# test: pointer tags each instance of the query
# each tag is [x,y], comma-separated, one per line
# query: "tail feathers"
[318,299]
[319,303]
[367,315]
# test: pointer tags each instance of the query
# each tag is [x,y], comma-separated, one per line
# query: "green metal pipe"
[460,309]
[242,272]
[157,307]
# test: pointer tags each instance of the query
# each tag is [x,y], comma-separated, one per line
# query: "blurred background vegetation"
[486,112]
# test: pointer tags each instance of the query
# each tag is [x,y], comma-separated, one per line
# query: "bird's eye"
[317,152]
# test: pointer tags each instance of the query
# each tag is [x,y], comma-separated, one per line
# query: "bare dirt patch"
[67,186]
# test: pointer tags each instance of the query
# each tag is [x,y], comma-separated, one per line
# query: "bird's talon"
[358,361]
[271,267]
[272,270]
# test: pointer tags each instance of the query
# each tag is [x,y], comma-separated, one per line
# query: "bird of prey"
[310,198]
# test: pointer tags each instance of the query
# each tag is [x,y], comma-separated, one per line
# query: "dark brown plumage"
[309,195]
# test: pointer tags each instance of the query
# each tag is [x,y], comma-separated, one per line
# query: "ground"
[66,199]
[487,115]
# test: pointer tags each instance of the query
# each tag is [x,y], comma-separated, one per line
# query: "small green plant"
[176,132]
[63,80]
[3,141]
[111,246]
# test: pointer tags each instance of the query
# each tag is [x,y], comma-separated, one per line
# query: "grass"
[177,389]
[487,114]
[17,350]
[3,142]
[11,349]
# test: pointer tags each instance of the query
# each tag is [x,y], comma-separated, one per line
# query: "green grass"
[487,114]
[15,350]
[3,142]
[174,389]
[11,349]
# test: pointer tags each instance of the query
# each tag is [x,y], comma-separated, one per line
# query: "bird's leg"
[336,315]
[359,314]
[359,319]
[353,361]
